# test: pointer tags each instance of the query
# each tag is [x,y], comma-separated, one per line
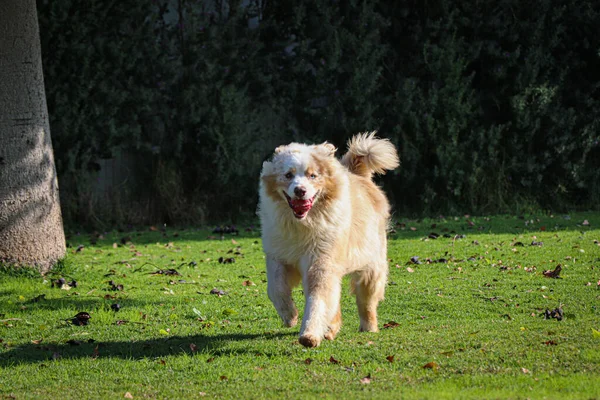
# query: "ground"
[183,313]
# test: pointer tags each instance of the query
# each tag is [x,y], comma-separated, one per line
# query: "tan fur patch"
[272,188]
[326,181]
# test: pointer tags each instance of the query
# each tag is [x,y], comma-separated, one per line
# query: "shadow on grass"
[402,228]
[145,236]
[202,345]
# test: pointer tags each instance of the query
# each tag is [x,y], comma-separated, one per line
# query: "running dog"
[323,218]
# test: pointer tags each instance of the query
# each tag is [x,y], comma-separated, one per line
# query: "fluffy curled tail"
[368,154]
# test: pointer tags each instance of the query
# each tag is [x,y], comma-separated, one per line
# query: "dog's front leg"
[279,287]
[322,288]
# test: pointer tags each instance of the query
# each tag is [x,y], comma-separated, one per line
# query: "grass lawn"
[466,320]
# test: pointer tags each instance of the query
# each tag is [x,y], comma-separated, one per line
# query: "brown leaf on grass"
[211,359]
[409,269]
[248,283]
[553,273]
[431,365]
[391,324]
[37,341]
[128,395]
[366,380]
[169,271]
[81,319]
[218,292]
[550,343]
[193,347]
[333,360]
[308,361]
[390,359]
[557,314]
[525,370]
[163,362]
[223,378]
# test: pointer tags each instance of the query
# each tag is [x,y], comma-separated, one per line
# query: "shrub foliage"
[495,106]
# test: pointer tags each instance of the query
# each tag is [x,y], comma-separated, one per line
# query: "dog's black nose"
[299,191]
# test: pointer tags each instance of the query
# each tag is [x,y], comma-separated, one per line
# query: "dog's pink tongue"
[301,207]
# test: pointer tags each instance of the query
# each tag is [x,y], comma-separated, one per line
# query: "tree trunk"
[31,232]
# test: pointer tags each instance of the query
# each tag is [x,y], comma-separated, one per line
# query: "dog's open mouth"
[300,207]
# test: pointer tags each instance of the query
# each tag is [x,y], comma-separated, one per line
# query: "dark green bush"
[493,105]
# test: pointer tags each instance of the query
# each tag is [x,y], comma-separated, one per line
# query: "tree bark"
[31,231]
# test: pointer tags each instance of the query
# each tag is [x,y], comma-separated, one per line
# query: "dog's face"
[300,176]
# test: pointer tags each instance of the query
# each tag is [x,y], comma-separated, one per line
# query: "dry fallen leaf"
[390,358]
[193,347]
[431,365]
[333,360]
[553,273]
[391,324]
[128,395]
[366,380]
[409,269]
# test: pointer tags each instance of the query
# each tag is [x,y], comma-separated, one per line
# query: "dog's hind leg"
[369,288]
[280,281]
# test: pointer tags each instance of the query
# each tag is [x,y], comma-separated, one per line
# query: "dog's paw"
[290,322]
[332,332]
[368,328]
[309,341]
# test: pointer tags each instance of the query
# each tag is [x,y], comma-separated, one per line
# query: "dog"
[323,218]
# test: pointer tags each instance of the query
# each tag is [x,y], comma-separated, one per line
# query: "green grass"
[479,317]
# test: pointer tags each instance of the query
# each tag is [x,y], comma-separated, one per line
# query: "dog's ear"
[280,149]
[326,148]
[267,169]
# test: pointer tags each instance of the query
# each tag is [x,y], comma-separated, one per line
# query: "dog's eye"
[313,176]
[289,175]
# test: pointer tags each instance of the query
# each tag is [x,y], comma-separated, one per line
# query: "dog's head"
[301,176]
